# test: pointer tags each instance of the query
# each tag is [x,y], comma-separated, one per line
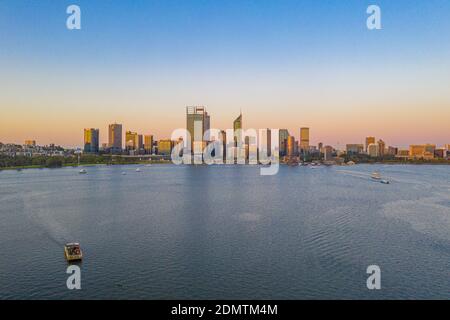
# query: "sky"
[284,63]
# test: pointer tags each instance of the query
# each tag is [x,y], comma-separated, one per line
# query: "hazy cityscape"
[293,148]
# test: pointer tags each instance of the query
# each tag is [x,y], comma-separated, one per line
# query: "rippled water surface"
[226,232]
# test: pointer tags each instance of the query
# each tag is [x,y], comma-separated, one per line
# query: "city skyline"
[111,140]
[309,67]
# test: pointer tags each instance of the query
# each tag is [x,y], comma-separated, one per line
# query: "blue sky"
[285,63]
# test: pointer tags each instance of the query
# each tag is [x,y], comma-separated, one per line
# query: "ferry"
[72,251]
[82,171]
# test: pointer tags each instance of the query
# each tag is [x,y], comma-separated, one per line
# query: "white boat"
[138,170]
[124,173]
[376,176]
[82,171]
[384,181]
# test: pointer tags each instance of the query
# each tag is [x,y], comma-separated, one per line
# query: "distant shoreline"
[170,163]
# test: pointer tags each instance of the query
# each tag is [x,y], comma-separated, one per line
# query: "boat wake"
[36,208]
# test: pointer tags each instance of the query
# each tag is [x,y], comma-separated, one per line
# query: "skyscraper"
[131,140]
[165,147]
[237,129]
[197,124]
[140,142]
[283,136]
[91,140]
[223,138]
[369,140]
[291,146]
[115,137]
[265,142]
[148,143]
[304,139]
[381,148]
[372,150]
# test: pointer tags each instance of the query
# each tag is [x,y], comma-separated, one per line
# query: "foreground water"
[225,232]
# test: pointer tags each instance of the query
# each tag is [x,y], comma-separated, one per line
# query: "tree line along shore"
[24,162]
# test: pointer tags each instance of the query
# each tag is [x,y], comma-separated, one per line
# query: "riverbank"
[83,165]
[445,162]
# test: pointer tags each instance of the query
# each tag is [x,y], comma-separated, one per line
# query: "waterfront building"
[304,140]
[320,147]
[283,136]
[402,154]
[223,139]
[115,137]
[198,124]
[91,140]
[392,151]
[354,148]
[148,144]
[237,129]
[291,146]
[328,153]
[369,140]
[372,150]
[265,144]
[440,153]
[131,140]
[381,148]
[140,143]
[165,147]
[422,151]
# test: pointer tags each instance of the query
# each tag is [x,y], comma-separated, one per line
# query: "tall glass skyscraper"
[115,137]
[91,140]
[197,124]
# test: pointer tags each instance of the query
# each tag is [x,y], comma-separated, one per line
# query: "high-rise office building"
[291,149]
[148,143]
[197,124]
[91,140]
[140,143]
[115,137]
[237,129]
[304,139]
[372,150]
[131,140]
[381,148]
[369,140]
[223,138]
[165,147]
[265,142]
[283,136]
